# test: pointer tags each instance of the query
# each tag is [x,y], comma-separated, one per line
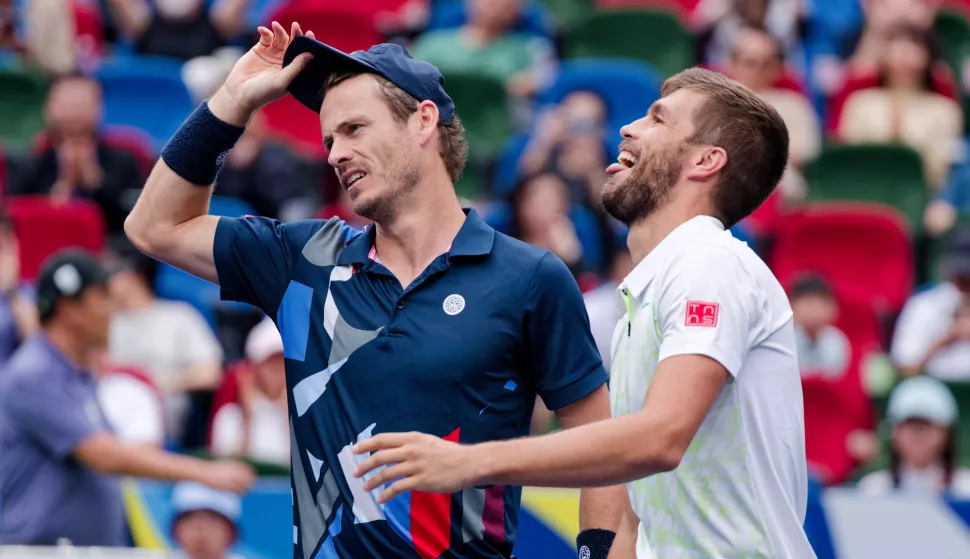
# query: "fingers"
[396,489]
[379,459]
[280,38]
[295,30]
[383,441]
[387,475]
[299,63]
[311,35]
[265,36]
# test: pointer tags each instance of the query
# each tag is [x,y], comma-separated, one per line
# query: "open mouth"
[627,159]
[354,178]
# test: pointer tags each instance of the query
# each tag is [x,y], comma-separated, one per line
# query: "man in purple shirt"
[58,457]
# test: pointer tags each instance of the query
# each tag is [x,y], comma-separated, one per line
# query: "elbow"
[146,237]
[664,456]
[668,460]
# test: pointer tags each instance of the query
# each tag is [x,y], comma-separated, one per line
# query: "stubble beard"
[646,189]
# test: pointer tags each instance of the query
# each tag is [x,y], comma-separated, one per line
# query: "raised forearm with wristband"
[199,147]
[594,543]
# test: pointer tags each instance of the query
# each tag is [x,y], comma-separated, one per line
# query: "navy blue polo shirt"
[461,353]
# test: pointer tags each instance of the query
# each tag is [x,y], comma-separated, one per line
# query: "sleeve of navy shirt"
[57,419]
[561,353]
[255,257]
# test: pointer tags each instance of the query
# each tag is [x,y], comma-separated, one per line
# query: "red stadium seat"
[863,249]
[44,227]
[298,127]
[227,393]
[88,29]
[345,28]
[683,8]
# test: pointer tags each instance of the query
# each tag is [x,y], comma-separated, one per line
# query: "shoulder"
[875,483]
[960,487]
[521,257]
[723,253]
[933,299]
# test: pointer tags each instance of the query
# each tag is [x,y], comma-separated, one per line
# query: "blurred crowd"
[869,230]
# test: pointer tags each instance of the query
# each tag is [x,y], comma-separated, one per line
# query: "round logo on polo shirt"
[454,304]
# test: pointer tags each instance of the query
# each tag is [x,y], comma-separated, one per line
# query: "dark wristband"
[594,543]
[197,149]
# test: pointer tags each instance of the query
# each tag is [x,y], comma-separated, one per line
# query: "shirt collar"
[475,238]
[685,234]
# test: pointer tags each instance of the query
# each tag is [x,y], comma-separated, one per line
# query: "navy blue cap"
[420,79]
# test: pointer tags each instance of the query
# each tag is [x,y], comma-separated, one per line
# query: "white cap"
[190,496]
[263,342]
[922,397]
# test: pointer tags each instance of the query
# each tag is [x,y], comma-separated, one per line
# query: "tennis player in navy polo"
[427,321]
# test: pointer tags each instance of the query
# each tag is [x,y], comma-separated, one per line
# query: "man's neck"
[646,234]
[420,231]
[70,348]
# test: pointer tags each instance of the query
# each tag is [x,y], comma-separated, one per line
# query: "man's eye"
[355,127]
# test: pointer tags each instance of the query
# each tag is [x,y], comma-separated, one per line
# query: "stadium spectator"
[904,108]
[718,22]
[568,141]
[58,457]
[182,29]
[540,217]
[131,403]
[169,340]
[758,62]
[922,446]
[257,427]
[204,521]
[268,176]
[882,17]
[933,331]
[77,161]
[488,45]
[18,314]
[8,32]
[823,349]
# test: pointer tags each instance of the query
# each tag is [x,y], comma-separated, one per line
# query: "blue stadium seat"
[172,283]
[507,165]
[145,92]
[628,87]
[534,19]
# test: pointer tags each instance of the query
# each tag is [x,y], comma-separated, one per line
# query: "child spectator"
[257,426]
[823,349]
[922,446]
[205,522]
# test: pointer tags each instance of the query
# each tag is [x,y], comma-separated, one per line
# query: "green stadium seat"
[654,36]
[483,105]
[567,13]
[22,106]
[888,174]
[961,391]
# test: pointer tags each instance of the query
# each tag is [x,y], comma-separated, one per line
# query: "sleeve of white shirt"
[706,306]
[915,334]
[227,430]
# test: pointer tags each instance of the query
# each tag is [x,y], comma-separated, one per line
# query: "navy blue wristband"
[198,148]
[594,543]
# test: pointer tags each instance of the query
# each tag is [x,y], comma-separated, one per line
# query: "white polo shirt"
[741,488]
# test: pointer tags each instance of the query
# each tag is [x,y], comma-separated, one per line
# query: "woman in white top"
[922,454]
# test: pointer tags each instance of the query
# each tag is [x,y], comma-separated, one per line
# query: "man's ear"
[426,120]
[707,162]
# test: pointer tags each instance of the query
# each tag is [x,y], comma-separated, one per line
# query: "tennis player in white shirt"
[708,427]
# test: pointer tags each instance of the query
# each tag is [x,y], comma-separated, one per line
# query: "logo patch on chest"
[453,304]
[700,313]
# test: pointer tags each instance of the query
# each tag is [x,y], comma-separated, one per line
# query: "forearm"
[594,455]
[132,15]
[601,507]
[227,16]
[205,376]
[153,463]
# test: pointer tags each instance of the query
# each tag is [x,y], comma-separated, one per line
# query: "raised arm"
[132,16]
[170,222]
